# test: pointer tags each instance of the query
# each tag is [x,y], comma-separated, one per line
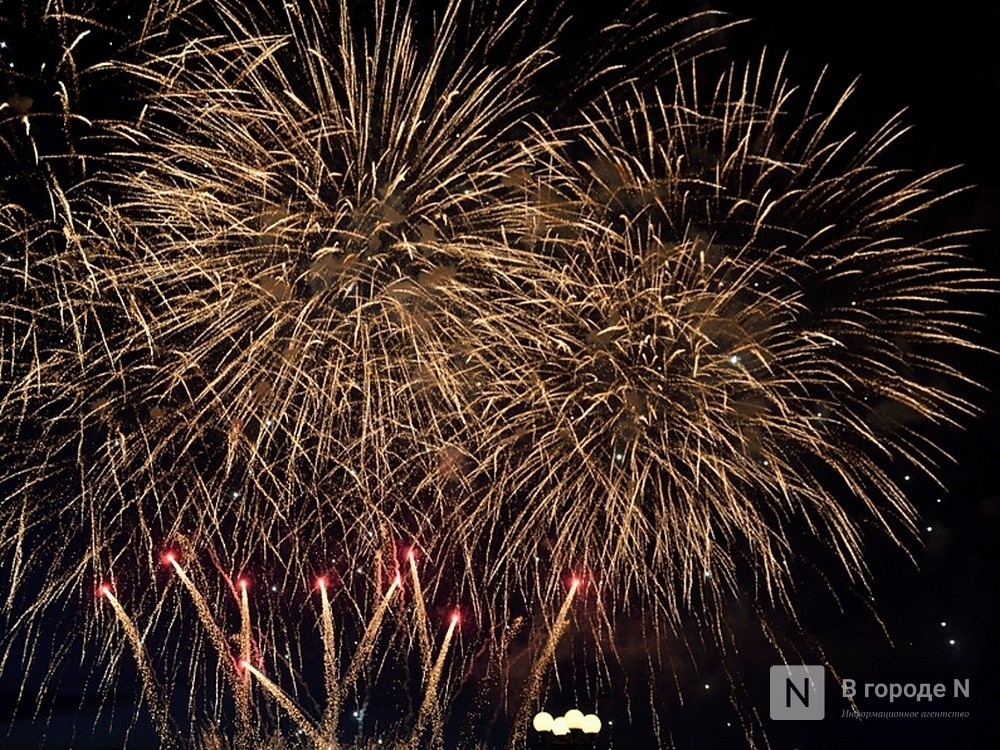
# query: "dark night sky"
[941,63]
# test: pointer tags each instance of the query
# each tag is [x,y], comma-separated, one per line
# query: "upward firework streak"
[351,275]
[362,654]
[288,704]
[418,598]
[216,636]
[430,709]
[245,735]
[149,687]
[542,663]
[252,729]
[329,662]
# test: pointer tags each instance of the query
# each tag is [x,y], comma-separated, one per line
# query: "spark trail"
[529,696]
[430,707]
[150,688]
[215,634]
[331,712]
[423,626]
[288,704]
[362,654]
[245,736]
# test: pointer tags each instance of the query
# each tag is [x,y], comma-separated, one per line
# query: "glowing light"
[591,724]
[542,722]
[574,718]
[559,727]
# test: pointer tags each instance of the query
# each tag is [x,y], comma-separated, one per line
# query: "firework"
[349,275]
[377,655]
[261,322]
[150,688]
[330,681]
[741,332]
[542,661]
[324,304]
[430,710]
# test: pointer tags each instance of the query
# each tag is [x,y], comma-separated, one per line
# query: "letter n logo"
[797,692]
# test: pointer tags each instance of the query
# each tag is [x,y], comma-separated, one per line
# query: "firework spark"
[150,688]
[430,709]
[542,662]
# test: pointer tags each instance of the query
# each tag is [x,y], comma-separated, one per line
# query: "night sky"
[933,618]
[942,65]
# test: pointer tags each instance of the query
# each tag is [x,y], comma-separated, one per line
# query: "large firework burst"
[741,329]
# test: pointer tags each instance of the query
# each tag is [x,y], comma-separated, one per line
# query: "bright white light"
[574,718]
[591,724]
[542,722]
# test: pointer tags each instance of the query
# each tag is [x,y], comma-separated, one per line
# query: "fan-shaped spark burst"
[260,657]
[743,328]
